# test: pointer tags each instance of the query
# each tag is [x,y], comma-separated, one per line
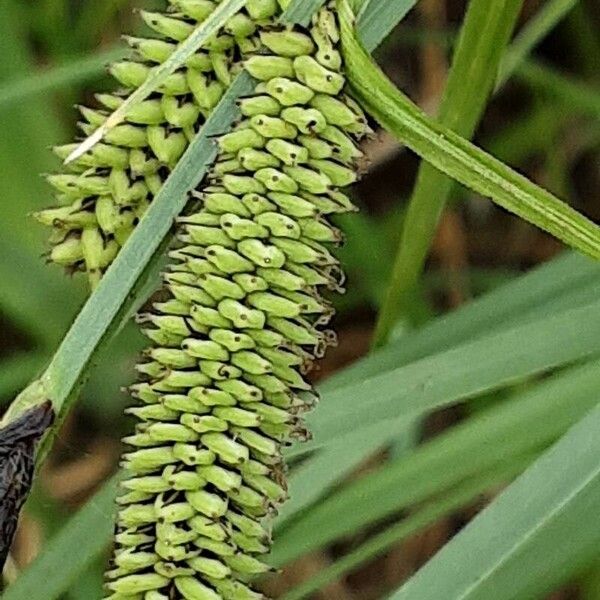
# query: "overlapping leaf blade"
[457,157]
[550,511]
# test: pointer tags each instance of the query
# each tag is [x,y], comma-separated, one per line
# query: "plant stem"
[484,36]
[456,156]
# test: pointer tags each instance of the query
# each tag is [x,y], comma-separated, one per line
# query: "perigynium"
[241,317]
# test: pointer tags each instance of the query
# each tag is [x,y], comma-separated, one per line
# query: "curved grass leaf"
[511,429]
[159,74]
[541,528]
[457,157]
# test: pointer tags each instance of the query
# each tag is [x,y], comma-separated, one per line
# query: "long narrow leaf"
[535,532]
[489,363]
[523,425]
[485,32]
[457,157]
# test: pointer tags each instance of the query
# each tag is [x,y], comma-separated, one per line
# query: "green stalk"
[456,156]
[484,36]
[548,17]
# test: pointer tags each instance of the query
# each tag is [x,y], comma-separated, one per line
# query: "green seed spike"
[241,315]
[156,132]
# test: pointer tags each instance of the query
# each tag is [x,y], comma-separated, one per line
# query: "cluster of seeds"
[240,323]
[102,195]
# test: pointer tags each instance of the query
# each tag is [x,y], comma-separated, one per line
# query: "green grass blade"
[551,288]
[546,19]
[484,35]
[82,540]
[489,363]
[159,74]
[551,511]
[457,157]
[376,546]
[112,300]
[486,31]
[72,72]
[515,427]
[377,18]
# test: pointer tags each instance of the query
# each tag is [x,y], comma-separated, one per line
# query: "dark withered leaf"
[18,441]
